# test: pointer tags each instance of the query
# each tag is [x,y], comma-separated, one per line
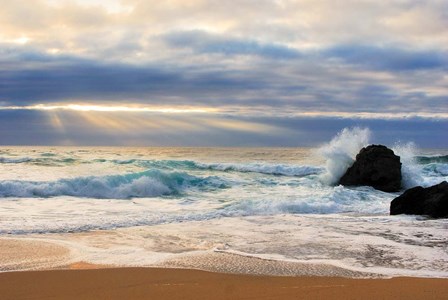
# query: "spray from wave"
[410,170]
[341,151]
[420,170]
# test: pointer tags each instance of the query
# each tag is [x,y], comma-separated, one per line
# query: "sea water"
[141,206]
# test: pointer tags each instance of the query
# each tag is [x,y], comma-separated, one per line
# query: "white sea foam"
[313,200]
[341,151]
[392,246]
[436,169]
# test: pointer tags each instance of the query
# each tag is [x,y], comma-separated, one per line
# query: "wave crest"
[8,160]
[150,183]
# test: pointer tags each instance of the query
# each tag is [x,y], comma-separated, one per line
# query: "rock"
[431,201]
[376,166]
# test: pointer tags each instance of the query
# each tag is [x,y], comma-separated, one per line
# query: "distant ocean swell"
[432,159]
[286,170]
[338,160]
[45,161]
[263,168]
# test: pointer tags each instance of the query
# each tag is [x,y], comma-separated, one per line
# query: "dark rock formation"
[376,166]
[431,201]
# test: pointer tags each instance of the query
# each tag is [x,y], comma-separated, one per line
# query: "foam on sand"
[29,254]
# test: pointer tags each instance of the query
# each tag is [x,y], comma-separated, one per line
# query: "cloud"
[389,58]
[94,28]
[203,42]
[307,83]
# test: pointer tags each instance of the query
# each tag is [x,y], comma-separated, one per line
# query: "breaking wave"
[341,151]
[150,183]
[7,160]
[420,170]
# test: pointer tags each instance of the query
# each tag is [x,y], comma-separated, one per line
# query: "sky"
[222,73]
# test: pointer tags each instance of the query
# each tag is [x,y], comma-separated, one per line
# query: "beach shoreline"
[46,276]
[33,253]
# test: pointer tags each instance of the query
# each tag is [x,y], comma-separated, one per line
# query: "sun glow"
[227,111]
[107,108]
[23,40]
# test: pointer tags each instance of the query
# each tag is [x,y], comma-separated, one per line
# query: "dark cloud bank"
[277,79]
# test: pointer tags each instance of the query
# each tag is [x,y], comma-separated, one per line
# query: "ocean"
[150,205]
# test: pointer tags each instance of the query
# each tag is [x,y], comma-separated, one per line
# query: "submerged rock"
[431,201]
[376,166]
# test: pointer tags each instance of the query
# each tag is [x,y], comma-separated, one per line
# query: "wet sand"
[159,283]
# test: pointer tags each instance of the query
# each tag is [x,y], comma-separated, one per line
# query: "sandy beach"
[157,283]
[39,270]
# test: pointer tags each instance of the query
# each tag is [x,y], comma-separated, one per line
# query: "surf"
[151,183]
